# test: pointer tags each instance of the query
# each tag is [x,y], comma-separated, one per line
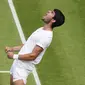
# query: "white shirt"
[40,37]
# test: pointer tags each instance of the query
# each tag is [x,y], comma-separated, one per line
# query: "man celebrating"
[33,50]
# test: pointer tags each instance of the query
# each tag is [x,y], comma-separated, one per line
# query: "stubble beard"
[45,21]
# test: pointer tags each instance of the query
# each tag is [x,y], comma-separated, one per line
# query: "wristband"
[15,56]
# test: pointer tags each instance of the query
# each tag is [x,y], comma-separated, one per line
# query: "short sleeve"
[44,42]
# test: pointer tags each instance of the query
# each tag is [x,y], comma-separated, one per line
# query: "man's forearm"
[27,57]
[16,48]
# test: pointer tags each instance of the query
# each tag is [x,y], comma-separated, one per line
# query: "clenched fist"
[10,55]
[8,49]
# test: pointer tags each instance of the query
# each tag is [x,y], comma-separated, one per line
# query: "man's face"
[48,16]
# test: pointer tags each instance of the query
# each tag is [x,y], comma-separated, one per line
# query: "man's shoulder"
[40,28]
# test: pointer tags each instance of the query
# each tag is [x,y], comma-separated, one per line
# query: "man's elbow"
[33,57]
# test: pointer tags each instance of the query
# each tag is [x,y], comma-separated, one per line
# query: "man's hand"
[8,49]
[10,55]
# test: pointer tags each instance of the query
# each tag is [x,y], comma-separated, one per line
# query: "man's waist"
[25,64]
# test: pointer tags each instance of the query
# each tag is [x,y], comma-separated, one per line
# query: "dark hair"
[59,17]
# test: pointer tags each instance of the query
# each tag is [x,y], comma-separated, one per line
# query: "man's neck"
[47,27]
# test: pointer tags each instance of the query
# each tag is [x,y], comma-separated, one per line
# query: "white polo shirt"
[40,37]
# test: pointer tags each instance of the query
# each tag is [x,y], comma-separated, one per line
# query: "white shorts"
[19,71]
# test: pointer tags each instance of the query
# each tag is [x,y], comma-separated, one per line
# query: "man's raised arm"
[27,57]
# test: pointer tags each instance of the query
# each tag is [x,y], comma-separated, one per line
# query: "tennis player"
[33,50]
